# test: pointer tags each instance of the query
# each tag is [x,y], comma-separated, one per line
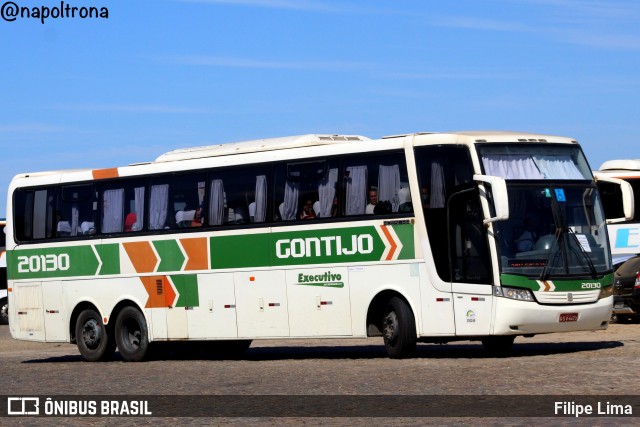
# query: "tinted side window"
[76,209]
[176,201]
[238,196]
[452,214]
[376,184]
[611,197]
[33,212]
[123,206]
[306,190]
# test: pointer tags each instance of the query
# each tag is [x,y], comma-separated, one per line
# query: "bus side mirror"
[627,197]
[499,194]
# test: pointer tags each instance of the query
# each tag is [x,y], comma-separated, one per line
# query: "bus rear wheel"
[94,342]
[132,336]
[399,329]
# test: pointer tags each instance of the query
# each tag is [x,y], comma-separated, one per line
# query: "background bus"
[474,236]
[4,300]
[624,235]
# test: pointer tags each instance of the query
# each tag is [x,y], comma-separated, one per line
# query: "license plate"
[619,305]
[569,317]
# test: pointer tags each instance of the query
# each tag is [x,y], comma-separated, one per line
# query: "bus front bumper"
[522,317]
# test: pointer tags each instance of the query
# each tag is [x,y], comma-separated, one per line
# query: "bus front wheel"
[94,343]
[132,335]
[399,329]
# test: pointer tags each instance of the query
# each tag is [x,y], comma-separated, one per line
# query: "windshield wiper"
[544,275]
[592,268]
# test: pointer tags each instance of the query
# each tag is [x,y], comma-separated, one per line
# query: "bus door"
[451,204]
[470,263]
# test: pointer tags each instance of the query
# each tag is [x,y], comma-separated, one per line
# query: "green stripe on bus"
[67,261]
[110,256]
[171,257]
[187,287]
[247,250]
[314,246]
[405,234]
[560,285]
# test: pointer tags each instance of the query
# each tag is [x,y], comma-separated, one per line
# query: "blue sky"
[164,74]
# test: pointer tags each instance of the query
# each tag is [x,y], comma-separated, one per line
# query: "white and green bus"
[415,238]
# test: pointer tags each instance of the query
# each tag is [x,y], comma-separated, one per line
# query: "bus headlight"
[520,294]
[605,292]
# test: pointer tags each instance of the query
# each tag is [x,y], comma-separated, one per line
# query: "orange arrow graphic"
[142,257]
[196,250]
[161,293]
[394,246]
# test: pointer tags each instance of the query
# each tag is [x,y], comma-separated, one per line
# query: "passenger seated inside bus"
[130,222]
[307,211]
[373,201]
[197,218]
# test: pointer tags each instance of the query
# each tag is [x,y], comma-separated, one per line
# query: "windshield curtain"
[553,231]
[539,162]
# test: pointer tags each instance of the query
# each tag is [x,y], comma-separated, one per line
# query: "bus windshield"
[556,224]
[554,231]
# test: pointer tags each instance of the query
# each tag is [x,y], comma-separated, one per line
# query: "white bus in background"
[475,236]
[624,235]
[4,300]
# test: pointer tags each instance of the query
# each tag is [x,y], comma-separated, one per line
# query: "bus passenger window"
[377,184]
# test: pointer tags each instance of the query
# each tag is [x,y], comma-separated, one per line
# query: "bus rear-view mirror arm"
[627,197]
[499,194]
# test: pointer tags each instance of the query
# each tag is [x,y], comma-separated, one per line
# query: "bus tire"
[92,338]
[399,329]
[498,346]
[4,311]
[132,336]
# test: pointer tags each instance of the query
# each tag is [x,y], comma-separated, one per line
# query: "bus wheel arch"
[390,315]
[94,339]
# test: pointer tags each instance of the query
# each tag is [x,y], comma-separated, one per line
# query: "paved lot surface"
[579,363]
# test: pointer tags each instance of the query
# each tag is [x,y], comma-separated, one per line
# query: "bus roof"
[309,140]
[482,136]
[274,145]
[269,144]
[621,165]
